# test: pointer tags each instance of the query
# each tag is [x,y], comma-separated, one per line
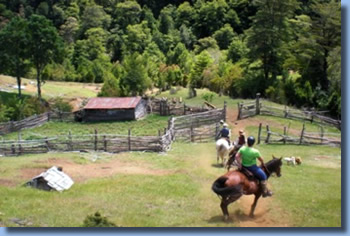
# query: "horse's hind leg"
[225,202]
[252,209]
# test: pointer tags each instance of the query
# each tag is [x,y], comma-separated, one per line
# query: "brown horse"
[232,185]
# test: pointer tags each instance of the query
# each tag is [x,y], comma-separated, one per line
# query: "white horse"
[222,150]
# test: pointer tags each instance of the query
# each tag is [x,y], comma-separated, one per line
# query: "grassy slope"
[52,88]
[182,197]
[309,195]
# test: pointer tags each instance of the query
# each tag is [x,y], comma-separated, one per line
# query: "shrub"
[209,96]
[97,220]
[62,106]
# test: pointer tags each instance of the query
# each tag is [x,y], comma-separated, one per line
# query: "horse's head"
[274,166]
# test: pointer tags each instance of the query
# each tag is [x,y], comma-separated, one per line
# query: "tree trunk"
[38,81]
[19,86]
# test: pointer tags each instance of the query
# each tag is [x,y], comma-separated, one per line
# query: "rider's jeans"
[257,171]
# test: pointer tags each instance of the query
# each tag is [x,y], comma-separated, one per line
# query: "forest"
[287,50]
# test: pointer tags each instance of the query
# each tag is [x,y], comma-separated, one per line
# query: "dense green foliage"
[286,50]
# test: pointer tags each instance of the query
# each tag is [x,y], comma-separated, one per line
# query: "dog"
[292,160]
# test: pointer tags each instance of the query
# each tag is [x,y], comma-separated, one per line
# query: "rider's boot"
[265,191]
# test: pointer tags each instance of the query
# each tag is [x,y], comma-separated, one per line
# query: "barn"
[114,109]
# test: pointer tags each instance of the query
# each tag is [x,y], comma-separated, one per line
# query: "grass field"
[169,190]
[51,89]
[140,189]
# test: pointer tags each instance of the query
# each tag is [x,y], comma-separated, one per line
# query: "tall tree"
[45,45]
[201,62]
[326,27]
[13,49]
[135,80]
[269,32]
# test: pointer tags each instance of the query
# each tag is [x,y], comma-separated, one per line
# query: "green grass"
[148,126]
[52,89]
[308,195]
[218,101]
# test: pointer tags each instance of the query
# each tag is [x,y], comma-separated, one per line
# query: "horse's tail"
[220,189]
[222,146]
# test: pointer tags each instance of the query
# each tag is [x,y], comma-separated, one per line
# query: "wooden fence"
[201,127]
[305,138]
[259,107]
[35,121]
[174,107]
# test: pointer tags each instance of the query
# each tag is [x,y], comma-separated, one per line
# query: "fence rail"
[201,127]
[306,138]
[259,107]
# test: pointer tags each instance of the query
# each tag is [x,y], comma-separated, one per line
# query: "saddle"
[247,173]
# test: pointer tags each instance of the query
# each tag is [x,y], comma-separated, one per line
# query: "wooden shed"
[114,109]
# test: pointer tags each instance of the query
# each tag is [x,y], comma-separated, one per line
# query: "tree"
[134,81]
[205,44]
[13,49]
[110,87]
[224,36]
[95,17]
[45,45]
[326,28]
[269,32]
[127,13]
[201,62]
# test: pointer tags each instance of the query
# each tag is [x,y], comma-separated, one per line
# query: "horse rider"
[224,133]
[240,140]
[247,156]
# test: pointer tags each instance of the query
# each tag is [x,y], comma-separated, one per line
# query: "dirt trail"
[262,216]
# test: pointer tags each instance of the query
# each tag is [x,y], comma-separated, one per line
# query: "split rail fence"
[306,138]
[258,107]
[199,127]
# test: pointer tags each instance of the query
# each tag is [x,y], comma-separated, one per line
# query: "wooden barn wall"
[108,115]
[141,109]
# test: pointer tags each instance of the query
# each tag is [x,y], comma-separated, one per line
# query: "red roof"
[112,103]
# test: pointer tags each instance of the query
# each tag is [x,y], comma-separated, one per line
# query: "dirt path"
[262,216]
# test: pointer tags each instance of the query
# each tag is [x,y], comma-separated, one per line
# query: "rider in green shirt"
[248,156]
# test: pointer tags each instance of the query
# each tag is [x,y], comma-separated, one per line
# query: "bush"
[97,220]
[209,96]
[62,106]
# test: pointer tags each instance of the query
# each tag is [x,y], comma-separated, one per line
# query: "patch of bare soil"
[84,172]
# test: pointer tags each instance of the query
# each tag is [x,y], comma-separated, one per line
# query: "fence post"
[95,140]
[104,143]
[259,133]
[257,106]
[19,143]
[184,108]
[302,134]
[225,107]
[13,149]
[239,111]
[322,134]
[285,112]
[159,133]
[60,115]
[191,133]
[70,145]
[285,134]
[129,139]
[48,116]
[268,134]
